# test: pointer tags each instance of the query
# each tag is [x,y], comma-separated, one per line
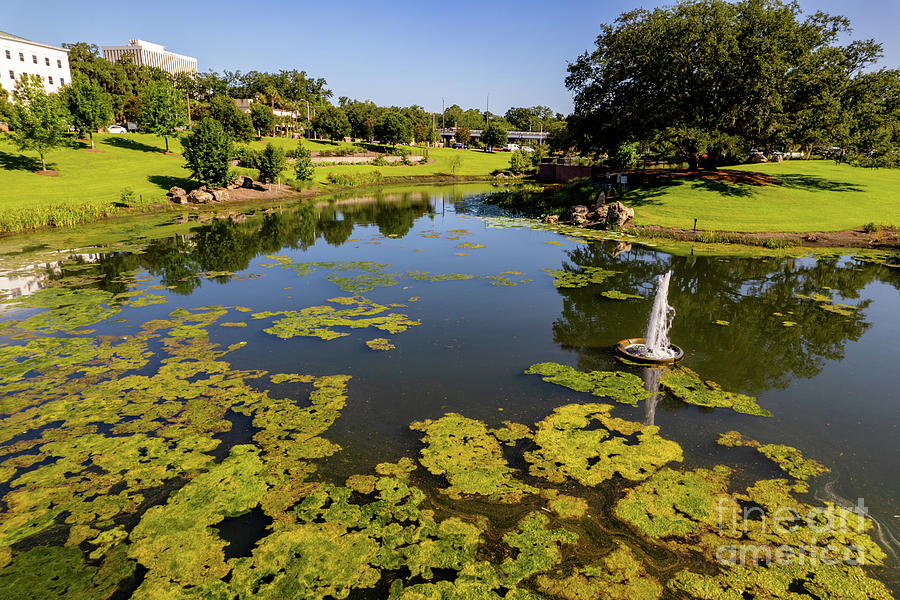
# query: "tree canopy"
[710,78]
[263,118]
[393,128]
[38,119]
[332,122]
[207,152]
[494,135]
[89,106]
[162,109]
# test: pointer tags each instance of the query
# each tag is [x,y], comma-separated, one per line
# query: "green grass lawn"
[90,184]
[809,196]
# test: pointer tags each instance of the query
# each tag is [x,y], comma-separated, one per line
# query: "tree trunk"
[167,144]
[91,135]
[692,162]
[43,164]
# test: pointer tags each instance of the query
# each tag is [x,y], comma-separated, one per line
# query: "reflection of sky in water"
[831,380]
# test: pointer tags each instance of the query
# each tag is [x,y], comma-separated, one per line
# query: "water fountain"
[655,347]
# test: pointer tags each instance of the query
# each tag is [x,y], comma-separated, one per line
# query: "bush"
[270,163]
[303,165]
[379,161]
[354,179]
[246,156]
[870,227]
[520,162]
[127,197]
[624,156]
[208,151]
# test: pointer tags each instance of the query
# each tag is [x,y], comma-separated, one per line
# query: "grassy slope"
[813,196]
[136,161]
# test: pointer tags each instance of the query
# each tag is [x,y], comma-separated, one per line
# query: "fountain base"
[631,348]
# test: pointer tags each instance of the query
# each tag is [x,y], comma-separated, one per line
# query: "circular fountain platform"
[629,348]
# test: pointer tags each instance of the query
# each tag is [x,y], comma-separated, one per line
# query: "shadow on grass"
[19,162]
[166,182]
[132,144]
[649,192]
[811,183]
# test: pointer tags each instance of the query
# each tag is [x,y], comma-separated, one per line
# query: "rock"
[777,158]
[221,196]
[237,218]
[599,213]
[601,200]
[245,182]
[178,199]
[757,157]
[176,191]
[618,214]
[579,219]
[552,219]
[577,210]
[199,196]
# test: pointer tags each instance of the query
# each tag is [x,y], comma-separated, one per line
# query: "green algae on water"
[380,344]
[619,575]
[789,459]
[617,295]
[564,279]
[571,446]
[689,387]
[617,385]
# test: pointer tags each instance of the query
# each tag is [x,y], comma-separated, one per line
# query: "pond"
[331,400]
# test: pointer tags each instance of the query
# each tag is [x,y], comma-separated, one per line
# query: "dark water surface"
[830,380]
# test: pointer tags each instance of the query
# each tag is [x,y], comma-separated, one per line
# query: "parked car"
[511,147]
[458,146]
[116,129]
[527,149]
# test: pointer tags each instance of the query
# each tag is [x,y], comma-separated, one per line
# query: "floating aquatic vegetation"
[617,295]
[617,385]
[146,300]
[538,547]
[789,459]
[413,299]
[292,378]
[721,322]
[461,253]
[619,575]
[827,304]
[380,344]
[469,455]
[803,581]
[837,309]
[233,324]
[553,242]
[323,321]
[571,446]
[690,388]
[588,276]
[67,309]
[564,506]
[788,323]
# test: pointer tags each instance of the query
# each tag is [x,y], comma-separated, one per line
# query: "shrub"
[303,165]
[270,163]
[379,161]
[520,162]
[624,156]
[455,162]
[354,179]
[246,156]
[870,227]
[127,197]
[208,151]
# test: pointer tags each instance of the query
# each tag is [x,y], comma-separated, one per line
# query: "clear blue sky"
[395,52]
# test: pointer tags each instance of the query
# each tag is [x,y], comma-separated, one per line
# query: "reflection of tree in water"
[757,351]
[225,245]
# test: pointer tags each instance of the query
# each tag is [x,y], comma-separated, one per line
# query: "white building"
[19,56]
[152,55]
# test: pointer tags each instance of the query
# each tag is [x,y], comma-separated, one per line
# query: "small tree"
[303,167]
[420,132]
[494,135]
[333,123]
[393,128]
[463,135]
[207,151]
[236,122]
[270,163]
[520,162]
[89,106]
[262,117]
[162,109]
[455,162]
[624,156]
[37,119]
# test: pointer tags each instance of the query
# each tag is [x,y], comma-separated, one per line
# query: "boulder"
[777,158]
[551,219]
[600,201]
[179,199]
[577,210]
[221,196]
[599,213]
[579,219]
[237,218]
[199,196]
[618,214]
[757,157]
[245,182]
[176,191]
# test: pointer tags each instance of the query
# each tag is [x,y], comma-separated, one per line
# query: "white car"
[527,149]
[116,129]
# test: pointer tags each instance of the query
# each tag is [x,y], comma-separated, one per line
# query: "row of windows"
[62,80]
[34,59]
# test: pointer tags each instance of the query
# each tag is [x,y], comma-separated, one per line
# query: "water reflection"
[773,335]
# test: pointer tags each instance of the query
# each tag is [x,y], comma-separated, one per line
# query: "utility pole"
[487,110]
[443,114]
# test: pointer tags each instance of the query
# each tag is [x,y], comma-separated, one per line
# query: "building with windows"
[19,56]
[152,55]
